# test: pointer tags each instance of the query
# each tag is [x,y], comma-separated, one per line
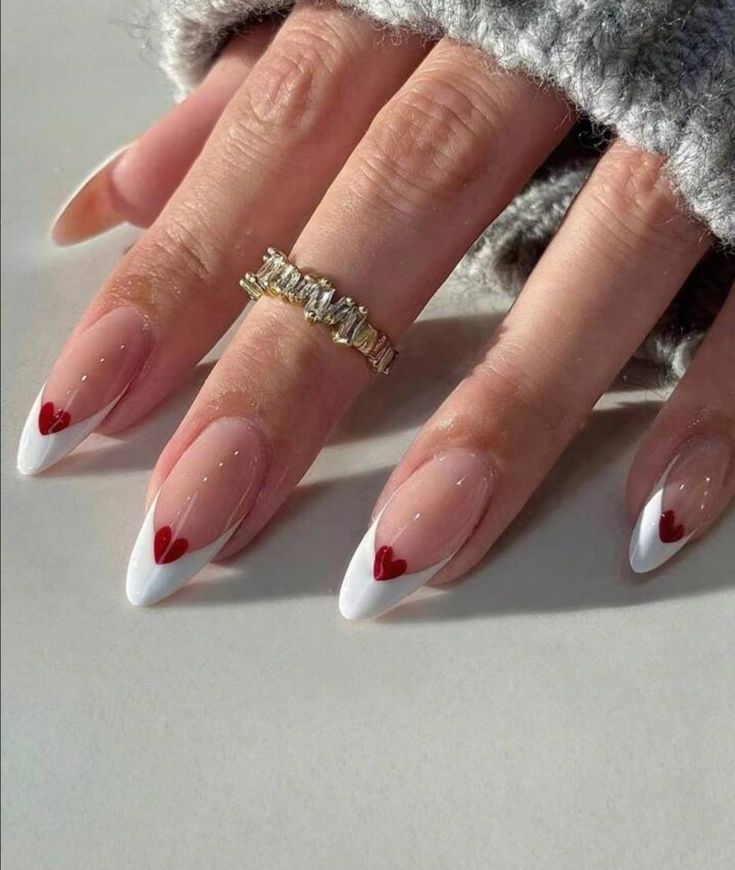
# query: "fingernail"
[86,383]
[197,510]
[425,522]
[89,211]
[680,503]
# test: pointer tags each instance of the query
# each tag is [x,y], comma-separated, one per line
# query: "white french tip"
[364,597]
[37,452]
[647,551]
[148,582]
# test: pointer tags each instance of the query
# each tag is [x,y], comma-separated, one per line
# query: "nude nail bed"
[424,524]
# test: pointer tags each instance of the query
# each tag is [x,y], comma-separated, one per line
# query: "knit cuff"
[658,73]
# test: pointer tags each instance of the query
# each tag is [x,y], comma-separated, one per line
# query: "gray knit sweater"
[658,73]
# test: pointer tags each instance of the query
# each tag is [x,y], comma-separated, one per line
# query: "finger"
[683,477]
[276,148]
[617,260]
[439,161]
[136,182]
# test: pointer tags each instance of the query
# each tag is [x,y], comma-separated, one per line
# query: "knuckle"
[633,201]
[183,250]
[430,141]
[240,142]
[632,176]
[295,88]
[514,396]
[169,267]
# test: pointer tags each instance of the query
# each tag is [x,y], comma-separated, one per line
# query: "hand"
[377,162]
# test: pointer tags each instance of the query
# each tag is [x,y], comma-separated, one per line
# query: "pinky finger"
[683,477]
[136,182]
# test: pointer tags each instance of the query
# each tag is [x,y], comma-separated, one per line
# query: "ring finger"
[437,164]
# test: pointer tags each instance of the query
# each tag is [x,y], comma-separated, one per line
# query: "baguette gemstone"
[348,321]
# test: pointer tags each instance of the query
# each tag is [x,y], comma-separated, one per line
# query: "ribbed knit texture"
[658,73]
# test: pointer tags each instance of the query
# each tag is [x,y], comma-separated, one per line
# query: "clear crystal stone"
[270,270]
[307,292]
[339,311]
[289,280]
[359,326]
[319,301]
[295,293]
[343,333]
[324,300]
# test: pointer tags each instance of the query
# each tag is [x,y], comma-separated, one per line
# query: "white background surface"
[545,714]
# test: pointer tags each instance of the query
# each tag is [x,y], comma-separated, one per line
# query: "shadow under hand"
[137,448]
[435,355]
[559,555]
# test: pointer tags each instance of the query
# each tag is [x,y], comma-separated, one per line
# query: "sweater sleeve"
[658,73]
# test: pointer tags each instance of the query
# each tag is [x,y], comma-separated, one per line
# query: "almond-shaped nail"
[425,522]
[680,503]
[90,210]
[88,380]
[199,507]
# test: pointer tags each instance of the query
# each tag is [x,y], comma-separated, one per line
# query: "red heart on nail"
[164,549]
[51,420]
[386,567]
[668,531]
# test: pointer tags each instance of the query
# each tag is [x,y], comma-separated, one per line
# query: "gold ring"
[279,278]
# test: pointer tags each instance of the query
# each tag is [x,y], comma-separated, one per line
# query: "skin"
[397,154]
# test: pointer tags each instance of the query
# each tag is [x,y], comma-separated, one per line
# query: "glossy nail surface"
[86,383]
[197,510]
[90,210]
[680,502]
[426,521]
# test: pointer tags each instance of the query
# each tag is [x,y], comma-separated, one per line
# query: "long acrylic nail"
[197,510]
[86,383]
[425,522]
[90,210]
[680,503]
